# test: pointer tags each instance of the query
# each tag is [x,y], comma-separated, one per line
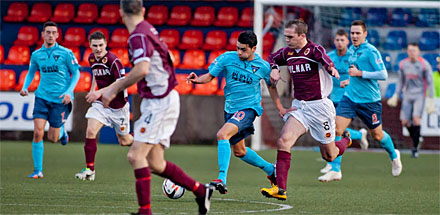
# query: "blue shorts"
[55,113]
[244,119]
[369,113]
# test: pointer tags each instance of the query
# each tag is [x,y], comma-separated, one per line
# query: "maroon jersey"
[144,44]
[107,70]
[303,65]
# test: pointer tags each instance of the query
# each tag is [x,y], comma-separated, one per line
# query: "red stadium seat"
[59,39]
[18,55]
[74,37]
[41,12]
[268,42]
[122,54]
[207,89]
[85,58]
[212,56]
[84,82]
[7,79]
[175,54]
[102,30]
[157,14]
[193,59]
[76,52]
[17,12]
[87,13]
[182,87]
[246,18]
[34,84]
[227,17]
[191,39]
[109,14]
[203,16]
[232,42]
[171,37]
[132,89]
[64,13]
[119,38]
[180,16]
[2,54]
[220,91]
[215,40]
[27,36]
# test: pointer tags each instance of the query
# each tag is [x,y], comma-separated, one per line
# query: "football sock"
[143,179]
[62,132]
[37,155]
[282,168]
[90,149]
[336,164]
[179,177]
[414,132]
[223,156]
[252,158]
[387,144]
[355,134]
[342,144]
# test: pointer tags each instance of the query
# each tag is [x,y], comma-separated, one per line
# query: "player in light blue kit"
[362,96]
[243,71]
[53,98]
[340,56]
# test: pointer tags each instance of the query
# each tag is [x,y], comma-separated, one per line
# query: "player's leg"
[58,114]
[90,148]
[251,157]
[360,135]
[125,140]
[120,121]
[418,106]
[387,143]
[38,148]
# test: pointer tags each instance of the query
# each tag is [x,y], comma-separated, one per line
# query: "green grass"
[367,186]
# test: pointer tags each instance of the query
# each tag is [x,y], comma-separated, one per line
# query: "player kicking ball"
[243,71]
[106,69]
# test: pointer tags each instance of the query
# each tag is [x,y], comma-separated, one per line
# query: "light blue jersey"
[56,65]
[367,59]
[341,64]
[242,89]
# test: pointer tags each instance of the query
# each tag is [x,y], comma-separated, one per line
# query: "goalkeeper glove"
[392,102]
[430,106]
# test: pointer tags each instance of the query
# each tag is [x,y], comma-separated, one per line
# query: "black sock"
[414,132]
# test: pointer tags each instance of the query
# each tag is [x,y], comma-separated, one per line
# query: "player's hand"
[353,71]
[275,77]
[344,83]
[66,99]
[392,102]
[108,94]
[283,111]
[24,93]
[335,72]
[430,106]
[192,78]
[93,96]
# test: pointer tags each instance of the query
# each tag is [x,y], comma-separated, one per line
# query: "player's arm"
[33,66]
[321,56]
[203,79]
[430,106]
[217,66]
[276,60]
[73,66]
[379,71]
[93,87]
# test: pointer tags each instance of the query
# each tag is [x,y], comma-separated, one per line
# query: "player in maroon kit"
[311,109]
[106,69]
[153,70]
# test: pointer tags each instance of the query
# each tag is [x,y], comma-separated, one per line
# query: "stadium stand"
[215,40]
[232,42]
[377,17]
[85,58]
[204,16]
[401,17]
[74,37]
[373,37]
[191,39]
[180,16]
[76,52]
[212,56]
[17,12]
[101,29]
[87,13]
[182,87]
[2,54]
[109,14]
[227,17]
[64,13]
[171,37]
[396,40]
[34,84]
[427,18]
[41,12]
[429,41]
[18,55]
[175,54]
[7,79]
[433,59]
[246,18]
[207,89]
[349,15]
[157,15]
[119,38]
[122,54]
[84,82]
[193,59]
[387,61]
[27,36]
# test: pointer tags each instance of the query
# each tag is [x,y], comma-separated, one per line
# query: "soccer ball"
[173,191]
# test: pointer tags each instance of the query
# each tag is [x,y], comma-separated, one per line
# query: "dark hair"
[413,44]
[97,35]
[342,32]
[299,25]
[49,23]
[131,7]
[361,23]
[248,37]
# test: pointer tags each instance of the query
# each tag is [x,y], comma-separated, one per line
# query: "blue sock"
[337,138]
[62,132]
[387,144]
[37,155]
[223,156]
[336,163]
[252,158]
[355,134]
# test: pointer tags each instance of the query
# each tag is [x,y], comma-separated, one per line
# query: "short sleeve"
[117,69]
[217,66]
[376,61]
[140,48]
[72,62]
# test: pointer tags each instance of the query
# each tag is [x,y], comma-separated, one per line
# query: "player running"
[53,98]
[243,70]
[106,69]
[340,56]
[311,109]
[415,75]
[153,70]
[362,95]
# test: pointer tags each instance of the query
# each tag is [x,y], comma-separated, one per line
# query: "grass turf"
[367,186]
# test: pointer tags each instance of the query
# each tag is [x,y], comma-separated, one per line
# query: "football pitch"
[367,186]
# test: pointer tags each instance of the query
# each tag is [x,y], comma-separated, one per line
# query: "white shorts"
[119,119]
[158,119]
[318,116]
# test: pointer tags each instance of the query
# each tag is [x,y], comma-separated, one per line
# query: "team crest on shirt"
[56,57]
[255,69]
[359,54]
[328,135]
[379,60]
[289,53]
[123,128]
[142,130]
[307,51]
[92,60]
[104,60]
